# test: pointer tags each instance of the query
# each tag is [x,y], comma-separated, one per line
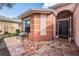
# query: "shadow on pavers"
[3,48]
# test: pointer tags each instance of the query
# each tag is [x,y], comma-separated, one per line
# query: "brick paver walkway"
[56,47]
[14,45]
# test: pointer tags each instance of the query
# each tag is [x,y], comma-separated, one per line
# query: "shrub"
[0,31]
[17,31]
[9,35]
[5,32]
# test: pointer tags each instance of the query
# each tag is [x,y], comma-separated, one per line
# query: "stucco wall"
[67,7]
[76,25]
[11,27]
[35,27]
[75,19]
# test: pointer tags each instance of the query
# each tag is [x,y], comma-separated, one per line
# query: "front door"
[63,28]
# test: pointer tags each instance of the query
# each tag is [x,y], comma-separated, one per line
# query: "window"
[27,25]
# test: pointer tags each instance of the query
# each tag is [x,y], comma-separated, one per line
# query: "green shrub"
[9,35]
[17,31]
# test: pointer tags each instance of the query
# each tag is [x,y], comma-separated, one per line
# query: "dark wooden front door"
[63,28]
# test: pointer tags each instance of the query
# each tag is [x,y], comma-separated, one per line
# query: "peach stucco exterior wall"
[35,27]
[75,19]
[76,25]
[51,24]
[67,7]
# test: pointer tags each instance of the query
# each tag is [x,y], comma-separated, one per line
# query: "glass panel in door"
[63,28]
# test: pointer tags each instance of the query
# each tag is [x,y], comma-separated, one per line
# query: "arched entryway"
[64,24]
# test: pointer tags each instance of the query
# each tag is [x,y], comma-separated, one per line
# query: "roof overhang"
[7,19]
[34,11]
[58,5]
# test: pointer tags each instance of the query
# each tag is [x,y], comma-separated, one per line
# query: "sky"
[18,9]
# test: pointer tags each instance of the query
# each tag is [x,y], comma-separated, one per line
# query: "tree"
[9,5]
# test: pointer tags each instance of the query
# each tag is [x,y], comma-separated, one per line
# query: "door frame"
[70,27]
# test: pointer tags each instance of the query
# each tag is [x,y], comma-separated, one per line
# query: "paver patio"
[56,47]
[14,45]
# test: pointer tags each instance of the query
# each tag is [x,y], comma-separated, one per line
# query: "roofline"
[58,5]
[6,19]
[30,10]
[10,21]
[24,13]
